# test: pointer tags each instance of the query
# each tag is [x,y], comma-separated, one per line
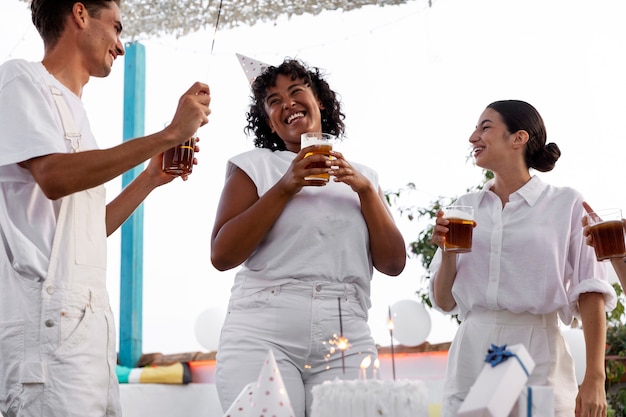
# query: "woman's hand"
[585,224]
[440,230]
[343,171]
[294,179]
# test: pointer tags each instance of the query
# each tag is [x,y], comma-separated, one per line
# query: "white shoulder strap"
[72,134]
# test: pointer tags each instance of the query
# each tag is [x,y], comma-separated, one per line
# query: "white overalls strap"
[72,134]
[33,368]
[77,328]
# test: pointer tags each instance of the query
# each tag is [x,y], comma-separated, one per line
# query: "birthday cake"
[370,398]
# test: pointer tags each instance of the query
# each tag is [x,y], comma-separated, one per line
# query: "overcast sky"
[413,81]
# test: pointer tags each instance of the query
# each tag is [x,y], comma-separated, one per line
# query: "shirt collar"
[530,192]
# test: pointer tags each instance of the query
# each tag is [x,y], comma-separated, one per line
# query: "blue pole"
[131,268]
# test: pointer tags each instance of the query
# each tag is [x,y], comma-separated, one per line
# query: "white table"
[191,400]
[199,399]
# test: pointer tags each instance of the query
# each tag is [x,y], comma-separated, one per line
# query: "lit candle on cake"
[393,355]
[375,374]
[365,363]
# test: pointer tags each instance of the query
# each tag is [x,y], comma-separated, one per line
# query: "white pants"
[57,337]
[540,335]
[296,321]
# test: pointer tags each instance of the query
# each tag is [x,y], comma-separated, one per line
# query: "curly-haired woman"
[307,248]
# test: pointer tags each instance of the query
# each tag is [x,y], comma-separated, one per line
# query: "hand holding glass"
[460,228]
[178,160]
[325,140]
[607,230]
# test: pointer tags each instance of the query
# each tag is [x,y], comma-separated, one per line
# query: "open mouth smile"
[294,116]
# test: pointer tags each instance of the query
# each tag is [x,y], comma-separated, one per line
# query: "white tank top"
[321,234]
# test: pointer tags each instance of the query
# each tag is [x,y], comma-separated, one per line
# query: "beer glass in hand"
[325,140]
[607,231]
[460,228]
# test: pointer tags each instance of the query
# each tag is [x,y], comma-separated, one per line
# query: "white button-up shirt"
[528,256]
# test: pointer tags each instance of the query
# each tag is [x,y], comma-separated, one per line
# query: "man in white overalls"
[57,336]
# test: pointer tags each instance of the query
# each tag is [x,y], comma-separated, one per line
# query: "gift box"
[499,383]
[535,401]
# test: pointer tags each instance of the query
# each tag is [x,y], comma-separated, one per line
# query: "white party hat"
[267,397]
[251,67]
[242,404]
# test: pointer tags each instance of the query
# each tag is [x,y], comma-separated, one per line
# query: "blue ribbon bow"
[498,354]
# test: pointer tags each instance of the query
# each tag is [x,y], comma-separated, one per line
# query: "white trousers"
[297,322]
[540,335]
[57,337]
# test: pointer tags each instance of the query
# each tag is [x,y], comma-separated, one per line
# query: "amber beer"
[608,239]
[178,160]
[325,142]
[460,229]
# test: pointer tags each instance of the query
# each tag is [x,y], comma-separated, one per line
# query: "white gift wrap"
[541,399]
[498,387]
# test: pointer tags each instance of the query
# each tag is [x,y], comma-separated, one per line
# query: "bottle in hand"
[178,160]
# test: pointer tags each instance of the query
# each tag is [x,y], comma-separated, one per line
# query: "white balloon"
[208,327]
[576,342]
[411,322]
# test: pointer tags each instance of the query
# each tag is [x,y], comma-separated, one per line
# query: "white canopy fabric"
[147,18]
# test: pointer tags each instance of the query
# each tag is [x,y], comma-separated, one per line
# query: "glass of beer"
[178,160]
[460,228]
[607,230]
[325,140]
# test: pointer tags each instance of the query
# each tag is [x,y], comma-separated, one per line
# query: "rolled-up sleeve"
[592,285]
[587,274]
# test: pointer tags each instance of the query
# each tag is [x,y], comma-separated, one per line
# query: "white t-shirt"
[529,256]
[30,126]
[321,234]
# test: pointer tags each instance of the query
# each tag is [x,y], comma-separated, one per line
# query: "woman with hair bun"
[528,268]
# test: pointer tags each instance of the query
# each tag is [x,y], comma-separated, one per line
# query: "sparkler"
[343,342]
[393,356]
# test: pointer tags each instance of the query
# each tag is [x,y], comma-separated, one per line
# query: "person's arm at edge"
[386,242]
[591,399]
[619,265]
[443,280]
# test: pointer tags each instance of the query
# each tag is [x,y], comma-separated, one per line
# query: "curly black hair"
[332,116]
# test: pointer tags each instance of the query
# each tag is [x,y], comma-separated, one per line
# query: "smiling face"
[292,109]
[491,141]
[102,43]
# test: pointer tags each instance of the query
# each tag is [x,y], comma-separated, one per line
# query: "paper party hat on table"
[251,67]
[268,396]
